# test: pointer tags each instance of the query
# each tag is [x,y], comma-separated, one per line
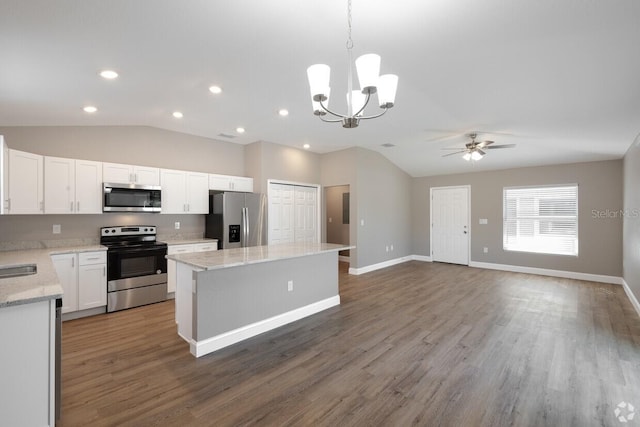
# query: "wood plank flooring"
[425,344]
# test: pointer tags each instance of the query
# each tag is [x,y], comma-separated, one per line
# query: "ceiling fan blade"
[480,151]
[493,147]
[484,144]
[451,154]
[456,148]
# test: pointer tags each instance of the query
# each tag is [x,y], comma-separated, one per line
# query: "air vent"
[388,145]
[226,135]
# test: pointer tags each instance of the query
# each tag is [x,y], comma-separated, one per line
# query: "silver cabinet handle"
[104,271]
[73,262]
[92,258]
[71,207]
[42,206]
[78,207]
[9,204]
[135,177]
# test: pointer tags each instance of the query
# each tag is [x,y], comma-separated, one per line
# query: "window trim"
[577,218]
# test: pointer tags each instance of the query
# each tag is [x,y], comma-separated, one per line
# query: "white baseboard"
[209,345]
[631,296]
[548,272]
[424,258]
[378,266]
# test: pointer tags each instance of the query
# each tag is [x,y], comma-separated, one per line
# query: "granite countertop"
[225,258]
[44,285]
[188,241]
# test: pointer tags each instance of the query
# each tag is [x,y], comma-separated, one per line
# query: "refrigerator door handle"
[245,226]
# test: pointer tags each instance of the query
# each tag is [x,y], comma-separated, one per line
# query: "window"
[541,219]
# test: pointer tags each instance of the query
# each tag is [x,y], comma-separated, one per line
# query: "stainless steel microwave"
[131,198]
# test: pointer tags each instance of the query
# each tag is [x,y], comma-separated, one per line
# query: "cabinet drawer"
[88,258]
[180,249]
[203,247]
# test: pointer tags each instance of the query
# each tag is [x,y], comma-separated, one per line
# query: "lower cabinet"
[27,371]
[83,277]
[183,249]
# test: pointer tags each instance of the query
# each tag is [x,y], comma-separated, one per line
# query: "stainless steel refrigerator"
[237,219]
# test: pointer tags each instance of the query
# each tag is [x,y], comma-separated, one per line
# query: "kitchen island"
[226,296]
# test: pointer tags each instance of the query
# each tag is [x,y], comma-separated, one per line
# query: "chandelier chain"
[349,40]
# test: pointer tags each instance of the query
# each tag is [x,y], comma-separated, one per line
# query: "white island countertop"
[226,258]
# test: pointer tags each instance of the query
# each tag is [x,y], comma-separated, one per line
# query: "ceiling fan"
[474,150]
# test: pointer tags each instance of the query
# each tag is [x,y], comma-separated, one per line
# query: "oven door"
[129,268]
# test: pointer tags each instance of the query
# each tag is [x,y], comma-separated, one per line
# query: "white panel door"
[197,193]
[450,225]
[306,219]
[174,184]
[59,185]
[281,213]
[88,187]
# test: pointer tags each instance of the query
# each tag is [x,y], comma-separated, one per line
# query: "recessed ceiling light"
[306,146]
[283,112]
[90,109]
[108,74]
[240,129]
[177,114]
[215,89]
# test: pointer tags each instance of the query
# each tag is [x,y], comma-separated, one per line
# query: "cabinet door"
[146,176]
[59,185]
[241,183]
[173,184]
[171,265]
[197,193]
[204,247]
[26,183]
[116,173]
[88,185]
[92,286]
[219,182]
[65,265]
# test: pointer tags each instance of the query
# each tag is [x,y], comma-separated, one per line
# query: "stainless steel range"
[136,266]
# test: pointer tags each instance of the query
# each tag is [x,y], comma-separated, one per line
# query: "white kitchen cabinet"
[66,268]
[85,286]
[27,394]
[26,183]
[130,174]
[92,280]
[230,183]
[72,186]
[184,249]
[184,192]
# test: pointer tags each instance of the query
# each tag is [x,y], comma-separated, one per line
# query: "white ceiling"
[561,79]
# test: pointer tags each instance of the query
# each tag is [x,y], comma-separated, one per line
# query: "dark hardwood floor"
[415,344]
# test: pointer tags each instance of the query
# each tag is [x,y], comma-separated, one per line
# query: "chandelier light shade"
[369,78]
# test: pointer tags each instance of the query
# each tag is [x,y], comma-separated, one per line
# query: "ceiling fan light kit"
[368,70]
[473,151]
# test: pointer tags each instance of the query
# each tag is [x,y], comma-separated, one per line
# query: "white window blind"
[541,219]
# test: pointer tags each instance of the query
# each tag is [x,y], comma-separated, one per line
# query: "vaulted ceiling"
[560,79]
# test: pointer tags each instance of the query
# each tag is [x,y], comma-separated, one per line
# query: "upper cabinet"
[25,189]
[184,192]
[72,186]
[230,183]
[130,174]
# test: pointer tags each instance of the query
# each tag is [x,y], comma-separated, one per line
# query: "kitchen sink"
[18,270]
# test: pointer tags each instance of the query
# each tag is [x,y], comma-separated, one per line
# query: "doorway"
[338,217]
[450,224]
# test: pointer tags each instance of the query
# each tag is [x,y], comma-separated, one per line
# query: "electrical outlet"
[485,250]
[177,225]
[362,222]
[484,221]
[387,247]
[391,248]
[290,285]
[330,220]
[57,229]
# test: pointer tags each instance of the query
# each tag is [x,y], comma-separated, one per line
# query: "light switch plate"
[57,229]
[484,221]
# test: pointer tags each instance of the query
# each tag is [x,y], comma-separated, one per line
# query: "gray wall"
[631,239]
[337,232]
[600,239]
[266,160]
[380,196]
[137,145]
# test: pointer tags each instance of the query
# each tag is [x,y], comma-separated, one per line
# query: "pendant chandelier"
[368,69]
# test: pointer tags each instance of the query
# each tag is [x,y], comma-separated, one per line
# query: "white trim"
[631,296]
[423,258]
[378,266]
[209,345]
[468,188]
[548,272]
